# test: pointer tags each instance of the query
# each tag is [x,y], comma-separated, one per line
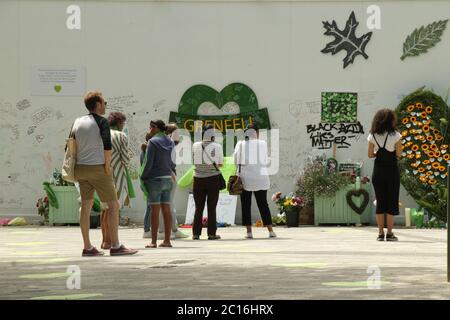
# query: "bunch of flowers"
[43,207]
[317,180]
[422,144]
[423,122]
[288,203]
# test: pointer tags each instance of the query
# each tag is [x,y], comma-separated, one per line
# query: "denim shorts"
[159,190]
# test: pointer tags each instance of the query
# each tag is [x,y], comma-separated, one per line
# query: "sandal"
[165,245]
[151,245]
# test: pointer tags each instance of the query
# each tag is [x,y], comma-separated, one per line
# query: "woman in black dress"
[385,146]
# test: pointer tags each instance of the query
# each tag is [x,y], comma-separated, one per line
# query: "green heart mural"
[422,120]
[236,93]
[239,93]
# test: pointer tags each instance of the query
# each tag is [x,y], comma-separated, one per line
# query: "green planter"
[335,210]
[68,206]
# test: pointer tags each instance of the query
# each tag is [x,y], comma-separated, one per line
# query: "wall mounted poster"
[58,81]
[339,107]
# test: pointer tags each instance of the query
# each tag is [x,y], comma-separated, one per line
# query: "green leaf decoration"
[423,39]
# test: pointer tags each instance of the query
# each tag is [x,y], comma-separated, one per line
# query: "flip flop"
[165,245]
[151,245]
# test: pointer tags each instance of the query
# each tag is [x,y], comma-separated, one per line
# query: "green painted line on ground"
[45,275]
[44,261]
[26,232]
[26,244]
[312,265]
[69,296]
[351,283]
[33,253]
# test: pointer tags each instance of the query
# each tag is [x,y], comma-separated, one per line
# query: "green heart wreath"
[358,193]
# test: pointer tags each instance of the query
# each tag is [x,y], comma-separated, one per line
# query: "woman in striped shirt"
[120,159]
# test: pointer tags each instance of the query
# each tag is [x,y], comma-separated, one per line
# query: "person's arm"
[370,152]
[108,168]
[219,156]
[237,155]
[105,134]
[148,161]
[124,150]
[398,148]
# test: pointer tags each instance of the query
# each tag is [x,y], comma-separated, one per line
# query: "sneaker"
[249,235]
[272,234]
[391,237]
[214,237]
[147,235]
[180,235]
[93,252]
[380,237]
[122,251]
[195,237]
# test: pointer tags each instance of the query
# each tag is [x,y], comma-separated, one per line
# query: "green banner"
[221,123]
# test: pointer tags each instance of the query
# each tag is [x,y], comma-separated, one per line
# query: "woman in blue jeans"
[157,175]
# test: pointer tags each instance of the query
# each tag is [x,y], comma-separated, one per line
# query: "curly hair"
[116,118]
[384,121]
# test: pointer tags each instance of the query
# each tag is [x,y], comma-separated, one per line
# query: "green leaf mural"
[423,39]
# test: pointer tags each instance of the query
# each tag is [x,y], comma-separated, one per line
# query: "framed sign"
[350,167]
[58,81]
[226,209]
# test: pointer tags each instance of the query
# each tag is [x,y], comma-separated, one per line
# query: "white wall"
[155,51]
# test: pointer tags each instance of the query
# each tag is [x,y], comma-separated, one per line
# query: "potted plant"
[290,205]
[317,180]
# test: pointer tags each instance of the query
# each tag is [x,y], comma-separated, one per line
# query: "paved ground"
[302,263]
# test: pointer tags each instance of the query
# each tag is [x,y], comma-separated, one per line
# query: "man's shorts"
[159,190]
[94,178]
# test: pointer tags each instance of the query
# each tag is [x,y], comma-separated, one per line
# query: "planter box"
[335,210]
[68,206]
[307,216]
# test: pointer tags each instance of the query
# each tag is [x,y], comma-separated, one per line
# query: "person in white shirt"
[251,159]
[208,157]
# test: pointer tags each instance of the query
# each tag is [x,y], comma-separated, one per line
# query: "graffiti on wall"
[324,135]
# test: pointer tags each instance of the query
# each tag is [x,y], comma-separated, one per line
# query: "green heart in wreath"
[358,193]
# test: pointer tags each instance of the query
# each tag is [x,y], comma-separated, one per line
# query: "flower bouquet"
[289,205]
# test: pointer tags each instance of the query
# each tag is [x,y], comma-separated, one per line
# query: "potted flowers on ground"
[289,205]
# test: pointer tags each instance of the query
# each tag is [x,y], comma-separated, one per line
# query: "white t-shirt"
[392,139]
[252,155]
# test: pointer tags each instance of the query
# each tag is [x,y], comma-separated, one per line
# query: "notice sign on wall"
[58,81]
[226,209]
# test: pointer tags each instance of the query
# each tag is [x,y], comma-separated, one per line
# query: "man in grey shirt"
[93,172]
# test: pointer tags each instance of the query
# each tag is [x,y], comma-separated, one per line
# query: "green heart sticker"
[57,88]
